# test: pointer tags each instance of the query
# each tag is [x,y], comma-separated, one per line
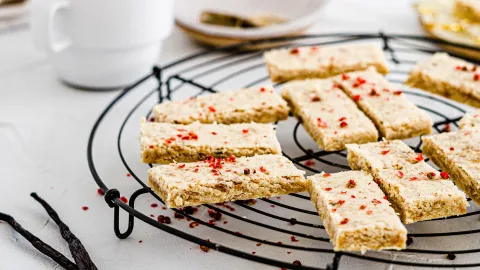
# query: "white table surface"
[44,126]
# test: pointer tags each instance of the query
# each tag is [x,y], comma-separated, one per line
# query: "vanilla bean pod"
[79,253]
[39,244]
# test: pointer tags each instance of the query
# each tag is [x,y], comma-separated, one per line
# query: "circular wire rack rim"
[112,196]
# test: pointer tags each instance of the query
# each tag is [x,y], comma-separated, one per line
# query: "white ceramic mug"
[101,43]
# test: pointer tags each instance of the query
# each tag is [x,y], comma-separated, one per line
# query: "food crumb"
[204,248]
[451,256]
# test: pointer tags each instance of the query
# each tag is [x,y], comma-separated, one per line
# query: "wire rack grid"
[290,217]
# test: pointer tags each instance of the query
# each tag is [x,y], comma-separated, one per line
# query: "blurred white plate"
[300,14]
[13,11]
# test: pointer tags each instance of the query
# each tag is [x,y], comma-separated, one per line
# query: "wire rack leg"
[158,75]
[169,87]
[386,47]
[131,218]
[336,262]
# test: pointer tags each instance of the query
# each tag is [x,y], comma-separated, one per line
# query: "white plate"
[299,13]
[13,11]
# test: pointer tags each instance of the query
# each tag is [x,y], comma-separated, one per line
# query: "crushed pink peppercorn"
[294,51]
[384,152]
[351,183]
[309,163]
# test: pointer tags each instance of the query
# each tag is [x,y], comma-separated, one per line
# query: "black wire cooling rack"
[290,217]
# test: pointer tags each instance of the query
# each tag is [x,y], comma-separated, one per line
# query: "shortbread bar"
[470,120]
[257,104]
[355,213]
[458,153]
[220,180]
[328,114]
[394,115]
[164,143]
[449,77]
[467,9]
[416,190]
[321,62]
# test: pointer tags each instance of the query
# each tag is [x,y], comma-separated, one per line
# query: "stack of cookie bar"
[223,147]
[232,148]
[458,152]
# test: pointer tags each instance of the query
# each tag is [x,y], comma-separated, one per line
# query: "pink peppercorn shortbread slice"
[470,120]
[256,104]
[394,115]
[220,180]
[458,153]
[416,190]
[323,61]
[163,143]
[355,212]
[328,114]
[447,76]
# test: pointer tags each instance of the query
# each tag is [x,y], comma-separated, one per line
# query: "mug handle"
[43,26]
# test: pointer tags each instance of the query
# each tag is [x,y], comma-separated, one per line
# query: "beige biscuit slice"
[395,116]
[256,104]
[221,180]
[355,213]
[447,76]
[470,120]
[330,117]
[323,61]
[458,153]
[163,143]
[416,190]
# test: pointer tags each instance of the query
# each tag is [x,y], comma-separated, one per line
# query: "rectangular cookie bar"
[447,76]
[355,213]
[221,180]
[328,114]
[458,153]
[394,115]
[470,120]
[163,143]
[416,190]
[467,9]
[324,61]
[256,104]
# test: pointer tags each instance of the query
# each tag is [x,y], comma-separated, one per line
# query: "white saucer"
[13,11]
[300,14]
